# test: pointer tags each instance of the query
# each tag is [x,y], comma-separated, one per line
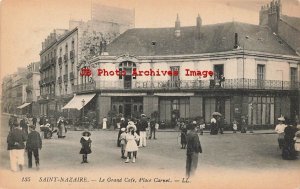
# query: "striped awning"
[78,101]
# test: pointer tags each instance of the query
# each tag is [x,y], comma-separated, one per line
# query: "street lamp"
[281,89]
[83,103]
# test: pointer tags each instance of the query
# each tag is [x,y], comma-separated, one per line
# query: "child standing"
[123,142]
[202,125]
[234,126]
[85,146]
[131,138]
[34,143]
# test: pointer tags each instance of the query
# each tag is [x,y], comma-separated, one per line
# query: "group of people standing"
[19,140]
[23,137]
[49,129]
[133,134]
[288,138]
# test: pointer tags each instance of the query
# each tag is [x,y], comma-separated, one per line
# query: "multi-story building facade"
[75,48]
[14,92]
[261,74]
[33,88]
[47,81]
[6,94]
[286,27]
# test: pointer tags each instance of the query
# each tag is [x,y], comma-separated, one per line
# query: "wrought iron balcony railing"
[190,84]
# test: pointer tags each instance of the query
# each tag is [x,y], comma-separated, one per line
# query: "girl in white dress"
[104,123]
[131,138]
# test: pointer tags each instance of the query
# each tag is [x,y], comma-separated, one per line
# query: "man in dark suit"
[34,143]
[192,152]
[15,145]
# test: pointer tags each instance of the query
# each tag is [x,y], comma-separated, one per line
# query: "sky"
[24,24]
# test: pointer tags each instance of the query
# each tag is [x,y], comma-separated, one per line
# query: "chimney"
[198,27]
[236,41]
[177,27]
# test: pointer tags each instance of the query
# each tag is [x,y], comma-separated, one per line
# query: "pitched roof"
[214,38]
[293,21]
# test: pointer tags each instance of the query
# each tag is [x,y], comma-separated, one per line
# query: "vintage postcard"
[150,94]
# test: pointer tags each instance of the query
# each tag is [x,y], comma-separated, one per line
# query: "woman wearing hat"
[131,138]
[61,127]
[280,131]
[85,146]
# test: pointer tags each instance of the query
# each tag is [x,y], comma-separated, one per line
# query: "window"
[260,72]
[120,109]
[73,44]
[66,69]
[260,110]
[174,80]
[141,109]
[66,51]
[294,75]
[260,75]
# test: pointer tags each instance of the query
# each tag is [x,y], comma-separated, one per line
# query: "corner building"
[261,74]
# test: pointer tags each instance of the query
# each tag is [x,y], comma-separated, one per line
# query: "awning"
[77,101]
[23,105]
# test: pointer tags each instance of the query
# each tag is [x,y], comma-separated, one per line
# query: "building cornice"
[65,36]
[56,42]
[197,57]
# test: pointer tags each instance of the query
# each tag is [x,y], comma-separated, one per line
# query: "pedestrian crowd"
[288,138]
[23,137]
[134,133]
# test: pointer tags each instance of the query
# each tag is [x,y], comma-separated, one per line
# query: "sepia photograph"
[150,94]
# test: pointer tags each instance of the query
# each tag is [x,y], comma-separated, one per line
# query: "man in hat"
[12,122]
[280,131]
[143,124]
[34,143]
[15,145]
[193,149]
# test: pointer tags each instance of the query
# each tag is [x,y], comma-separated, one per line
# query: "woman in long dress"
[61,127]
[104,123]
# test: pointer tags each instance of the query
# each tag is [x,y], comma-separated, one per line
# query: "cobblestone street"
[226,158]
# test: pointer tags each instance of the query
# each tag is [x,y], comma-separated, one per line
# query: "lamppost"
[281,89]
[83,103]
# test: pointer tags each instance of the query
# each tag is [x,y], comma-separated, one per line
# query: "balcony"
[66,78]
[60,60]
[45,65]
[46,96]
[252,84]
[71,75]
[59,80]
[65,58]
